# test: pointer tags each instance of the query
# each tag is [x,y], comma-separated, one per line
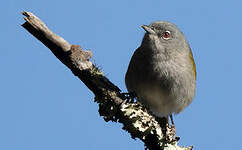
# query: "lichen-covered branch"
[113,105]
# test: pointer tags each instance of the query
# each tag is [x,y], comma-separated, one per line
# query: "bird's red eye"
[166,34]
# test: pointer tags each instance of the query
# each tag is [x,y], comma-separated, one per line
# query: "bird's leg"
[173,130]
[172,122]
[168,131]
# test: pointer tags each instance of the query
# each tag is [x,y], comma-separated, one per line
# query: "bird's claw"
[129,97]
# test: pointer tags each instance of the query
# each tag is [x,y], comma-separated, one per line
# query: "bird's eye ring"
[166,35]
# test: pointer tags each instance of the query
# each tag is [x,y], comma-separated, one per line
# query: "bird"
[162,72]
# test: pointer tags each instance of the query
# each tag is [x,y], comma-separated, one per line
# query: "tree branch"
[113,105]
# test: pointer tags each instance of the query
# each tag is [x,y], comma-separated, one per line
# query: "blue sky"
[43,106]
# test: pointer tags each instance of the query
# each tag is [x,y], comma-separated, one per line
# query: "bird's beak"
[148,29]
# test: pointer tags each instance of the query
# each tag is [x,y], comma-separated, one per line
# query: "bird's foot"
[129,97]
[171,134]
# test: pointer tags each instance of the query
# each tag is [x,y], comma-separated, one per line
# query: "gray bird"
[162,72]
